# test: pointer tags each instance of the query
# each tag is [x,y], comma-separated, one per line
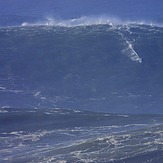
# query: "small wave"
[37,94]
[124,115]
[11,91]
[82,21]
[2,88]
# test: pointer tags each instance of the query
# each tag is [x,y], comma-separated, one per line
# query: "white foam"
[33,136]
[3,111]
[132,53]
[5,107]
[11,91]
[37,94]
[126,116]
[43,98]
[2,88]
[77,111]
[129,50]
[87,21]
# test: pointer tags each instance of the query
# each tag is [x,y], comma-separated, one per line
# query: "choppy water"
[60,135]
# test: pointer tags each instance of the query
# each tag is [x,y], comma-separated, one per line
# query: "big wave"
[101,66]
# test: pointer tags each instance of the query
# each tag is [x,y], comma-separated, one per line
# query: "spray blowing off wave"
[87,21]
[82,21]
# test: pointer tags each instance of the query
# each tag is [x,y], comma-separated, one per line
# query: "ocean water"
[93,64]
[81,81]
[69,89]
[73,136]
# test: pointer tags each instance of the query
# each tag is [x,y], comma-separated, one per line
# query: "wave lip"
[87,21]
[82,21]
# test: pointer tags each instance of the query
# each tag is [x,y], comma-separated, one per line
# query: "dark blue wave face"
[108,68]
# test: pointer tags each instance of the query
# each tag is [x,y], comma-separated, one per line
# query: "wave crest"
[87,21]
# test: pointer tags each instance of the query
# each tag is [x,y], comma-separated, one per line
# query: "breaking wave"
[87,63]
[88,21]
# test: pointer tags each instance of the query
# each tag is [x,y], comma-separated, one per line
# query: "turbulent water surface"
[66,136]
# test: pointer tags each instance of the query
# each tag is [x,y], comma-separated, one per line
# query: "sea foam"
[88,21]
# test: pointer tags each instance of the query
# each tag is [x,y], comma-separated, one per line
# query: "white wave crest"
[82,21]
[87,21]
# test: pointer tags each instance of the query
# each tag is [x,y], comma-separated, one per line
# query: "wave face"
[98,67]
[72,136]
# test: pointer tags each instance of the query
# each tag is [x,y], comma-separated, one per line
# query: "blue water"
[60,135]
[81,81]
[98,67]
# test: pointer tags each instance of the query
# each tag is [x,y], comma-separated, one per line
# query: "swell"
[93,67]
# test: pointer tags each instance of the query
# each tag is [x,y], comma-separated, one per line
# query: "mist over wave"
[88,21]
